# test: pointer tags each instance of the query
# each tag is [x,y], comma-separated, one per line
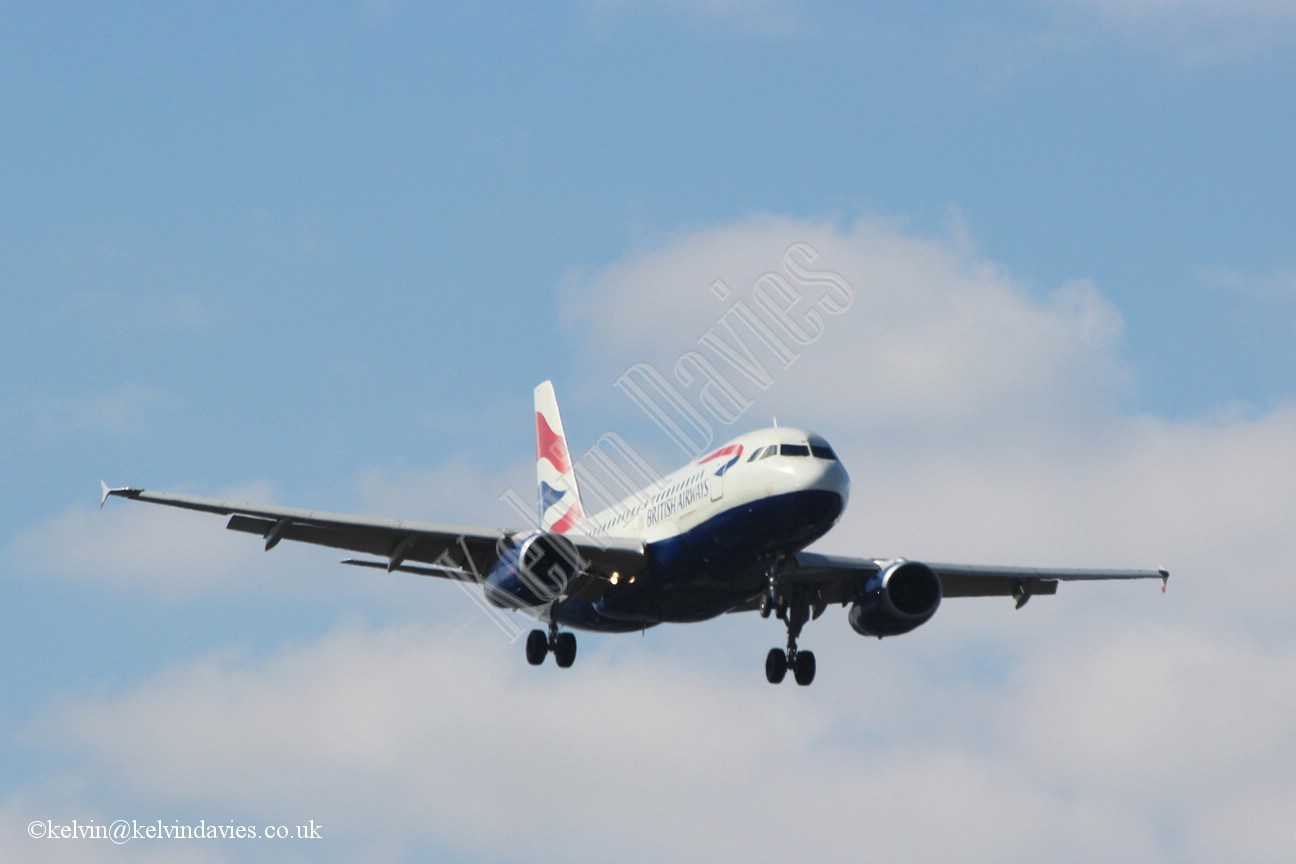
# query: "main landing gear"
[563,645]
[778,661]
[794,611]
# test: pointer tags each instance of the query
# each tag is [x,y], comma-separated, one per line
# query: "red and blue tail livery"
[728,532]
[560,504]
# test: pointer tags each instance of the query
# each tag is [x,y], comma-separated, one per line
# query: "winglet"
[1165,579]
[126,491]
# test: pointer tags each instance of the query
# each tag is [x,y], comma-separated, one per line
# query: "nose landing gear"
[779,661]
[794,611]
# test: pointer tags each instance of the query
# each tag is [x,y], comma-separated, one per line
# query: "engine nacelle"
[533,569]
[896,600]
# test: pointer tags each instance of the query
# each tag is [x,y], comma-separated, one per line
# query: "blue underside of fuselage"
[711,569]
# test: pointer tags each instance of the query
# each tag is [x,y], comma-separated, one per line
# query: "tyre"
[537,646]
[805,668]
[776,666]
[565,650]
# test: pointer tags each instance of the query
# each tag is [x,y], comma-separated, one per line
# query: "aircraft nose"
[833,478]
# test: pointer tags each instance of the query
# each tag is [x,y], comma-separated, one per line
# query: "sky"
[319,255]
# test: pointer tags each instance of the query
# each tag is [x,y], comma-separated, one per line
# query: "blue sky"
[320,254]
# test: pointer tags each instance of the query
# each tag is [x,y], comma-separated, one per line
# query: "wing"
[836,578]
[425,548]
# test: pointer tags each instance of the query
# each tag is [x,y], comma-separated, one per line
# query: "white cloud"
[457,492]
[407,737]
[1148,711]
[1253,827]
[1190,730]
[401,738]
[933,335]
[384,731]
[1205,498]
[171,553]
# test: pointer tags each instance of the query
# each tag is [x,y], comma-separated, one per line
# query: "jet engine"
[896,599]
[533,569]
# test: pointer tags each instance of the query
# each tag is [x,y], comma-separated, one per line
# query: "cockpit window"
[823,451]
[794,450]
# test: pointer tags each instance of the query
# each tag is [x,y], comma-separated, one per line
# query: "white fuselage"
[711,529]
[767,463]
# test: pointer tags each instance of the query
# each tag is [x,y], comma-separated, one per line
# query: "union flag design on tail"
[557,493]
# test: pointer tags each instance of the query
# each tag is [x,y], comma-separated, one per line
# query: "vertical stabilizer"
[560,505]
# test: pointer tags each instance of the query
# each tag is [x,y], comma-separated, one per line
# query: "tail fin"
[560,504]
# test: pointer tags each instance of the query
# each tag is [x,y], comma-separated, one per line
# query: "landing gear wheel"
[565,649]
[776,666]
[794,609]
[537,646]
[803,667]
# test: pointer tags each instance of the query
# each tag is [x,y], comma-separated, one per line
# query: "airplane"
[725,533]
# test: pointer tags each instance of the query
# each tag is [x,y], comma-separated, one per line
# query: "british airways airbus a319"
[726,533]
